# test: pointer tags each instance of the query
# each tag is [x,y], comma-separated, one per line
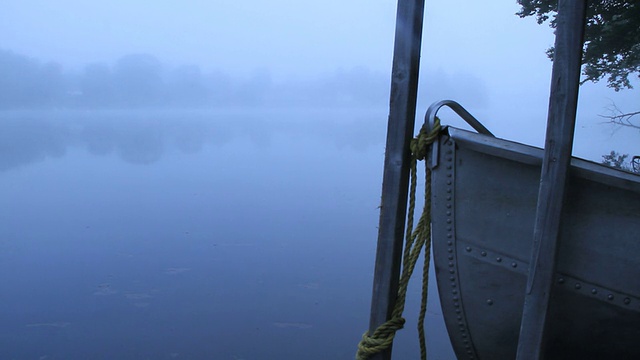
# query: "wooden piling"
[558,145]
[393,207]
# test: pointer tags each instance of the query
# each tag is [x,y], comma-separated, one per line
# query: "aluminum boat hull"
[483,208]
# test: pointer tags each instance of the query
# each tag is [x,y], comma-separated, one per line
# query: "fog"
[180,234]
[201,180]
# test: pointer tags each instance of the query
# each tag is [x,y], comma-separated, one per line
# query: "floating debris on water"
[292,325]
[174,271]
[105,289]
[310,286]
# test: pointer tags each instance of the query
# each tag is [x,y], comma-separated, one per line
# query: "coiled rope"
[415,240]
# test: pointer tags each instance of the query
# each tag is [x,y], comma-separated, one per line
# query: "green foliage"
[617,160]
[612,37]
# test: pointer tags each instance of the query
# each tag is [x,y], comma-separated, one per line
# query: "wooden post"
[558,145]
[393,207]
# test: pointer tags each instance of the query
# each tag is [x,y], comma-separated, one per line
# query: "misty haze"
[141,81]
[203,180]
[153,212]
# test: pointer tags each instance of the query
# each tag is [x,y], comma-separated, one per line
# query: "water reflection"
[143,137]
[26,140]
[182,235]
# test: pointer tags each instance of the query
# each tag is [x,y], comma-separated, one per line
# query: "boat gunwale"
[531,155]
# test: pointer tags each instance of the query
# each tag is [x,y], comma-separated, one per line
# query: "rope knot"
[416,240]
[381,339]
[420,144]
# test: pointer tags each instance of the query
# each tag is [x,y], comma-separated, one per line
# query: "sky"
[478,53]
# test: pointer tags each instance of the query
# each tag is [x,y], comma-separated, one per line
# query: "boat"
[484,196]
[536,253]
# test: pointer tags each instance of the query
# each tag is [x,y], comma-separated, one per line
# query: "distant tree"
[612,37]
[25,82]
[138,80]
[186,87]
[220,88]
[51,85]
[11,67]
[18,80]
[253,92]
[96,85]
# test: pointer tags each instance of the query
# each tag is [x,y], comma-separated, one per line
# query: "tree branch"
[618,117]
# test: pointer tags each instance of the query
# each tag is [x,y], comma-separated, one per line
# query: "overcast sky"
[480,53]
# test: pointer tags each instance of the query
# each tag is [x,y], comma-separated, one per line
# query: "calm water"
[192,235]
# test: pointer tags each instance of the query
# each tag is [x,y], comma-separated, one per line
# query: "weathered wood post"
[558,145]
[393,207]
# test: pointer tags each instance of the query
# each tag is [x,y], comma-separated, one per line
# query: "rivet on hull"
[448,185]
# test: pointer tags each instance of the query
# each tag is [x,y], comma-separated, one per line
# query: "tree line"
[141,80]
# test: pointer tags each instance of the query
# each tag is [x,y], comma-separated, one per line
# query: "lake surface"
[193,235]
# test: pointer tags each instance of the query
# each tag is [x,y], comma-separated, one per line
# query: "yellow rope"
[416,239]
